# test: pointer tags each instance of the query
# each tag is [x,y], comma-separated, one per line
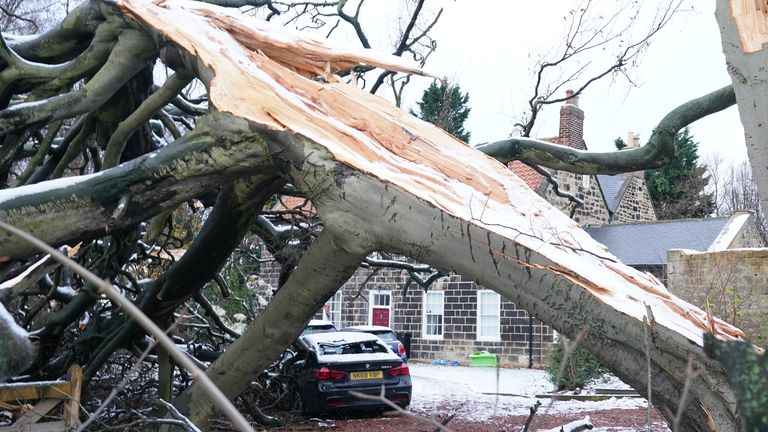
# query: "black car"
[384,333]
[327,366]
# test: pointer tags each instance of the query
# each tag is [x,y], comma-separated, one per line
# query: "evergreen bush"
[582,367]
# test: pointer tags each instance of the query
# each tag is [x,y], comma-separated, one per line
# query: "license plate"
[366,375]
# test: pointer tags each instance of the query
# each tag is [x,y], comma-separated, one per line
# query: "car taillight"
[325,374]
[400,348]
[400,370]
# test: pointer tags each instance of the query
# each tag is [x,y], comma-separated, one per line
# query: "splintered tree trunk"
[744,30]
[383,180]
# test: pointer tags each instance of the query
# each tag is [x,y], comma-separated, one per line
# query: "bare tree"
[576,63]
[26,17]
[734,189]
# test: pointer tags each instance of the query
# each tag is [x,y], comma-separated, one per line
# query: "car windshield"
[386,335]
[318,329]
[351,348]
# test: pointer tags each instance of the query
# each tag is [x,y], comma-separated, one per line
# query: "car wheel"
[307,407]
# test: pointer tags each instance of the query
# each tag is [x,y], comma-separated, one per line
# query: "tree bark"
[746,59]
[15,348]
[659,151]
[60,211]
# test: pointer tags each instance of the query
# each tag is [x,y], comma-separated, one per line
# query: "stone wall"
[734,283]
[749,236]
[594,210]
[635,204]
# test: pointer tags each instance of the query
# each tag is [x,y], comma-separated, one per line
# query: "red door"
[380,316]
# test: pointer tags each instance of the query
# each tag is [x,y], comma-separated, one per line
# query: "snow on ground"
[481,396]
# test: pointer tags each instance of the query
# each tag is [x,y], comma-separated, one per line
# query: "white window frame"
[334,303]
[371,297]
[585,181]
[478,320]
[424,334]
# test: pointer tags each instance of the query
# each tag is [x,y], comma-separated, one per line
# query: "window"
[585,181]
[332,310]
[332,348]
[433,315]
[488,315]
[380,298]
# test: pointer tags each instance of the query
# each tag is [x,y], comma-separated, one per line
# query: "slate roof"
[647,243]
[612,189]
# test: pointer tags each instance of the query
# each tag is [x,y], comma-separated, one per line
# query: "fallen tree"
[379,179]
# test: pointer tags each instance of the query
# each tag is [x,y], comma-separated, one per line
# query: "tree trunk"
[63,210]
[388,181]
[741,25]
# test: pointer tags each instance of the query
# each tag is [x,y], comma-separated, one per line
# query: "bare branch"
[659,150]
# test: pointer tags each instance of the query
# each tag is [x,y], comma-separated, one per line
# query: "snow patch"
[481,396]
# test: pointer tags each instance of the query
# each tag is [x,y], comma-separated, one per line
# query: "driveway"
[484,394]
[481,400]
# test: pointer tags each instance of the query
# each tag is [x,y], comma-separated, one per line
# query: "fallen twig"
[438,426]
[533,409]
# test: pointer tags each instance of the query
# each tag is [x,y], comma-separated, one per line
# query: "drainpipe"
[530,341]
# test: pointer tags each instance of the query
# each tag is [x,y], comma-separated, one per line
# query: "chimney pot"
[572,100]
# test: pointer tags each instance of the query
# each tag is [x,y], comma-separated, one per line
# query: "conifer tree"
[446,107]
[679,189]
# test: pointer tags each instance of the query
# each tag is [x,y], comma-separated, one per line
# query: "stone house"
[621,198]
[455,317]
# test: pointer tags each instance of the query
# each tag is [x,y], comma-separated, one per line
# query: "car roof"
[367,328]
[315,323]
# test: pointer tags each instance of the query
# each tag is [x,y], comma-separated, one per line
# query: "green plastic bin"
[482,359]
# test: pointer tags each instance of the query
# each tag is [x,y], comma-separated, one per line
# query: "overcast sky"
[490,47]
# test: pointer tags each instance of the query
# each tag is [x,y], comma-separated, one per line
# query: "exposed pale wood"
[50,394]
[72,404]
[751,18]
[304,55]
[55,426]
[34,391]
[37,412]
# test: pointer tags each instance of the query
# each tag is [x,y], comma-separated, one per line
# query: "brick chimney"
[572,123]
